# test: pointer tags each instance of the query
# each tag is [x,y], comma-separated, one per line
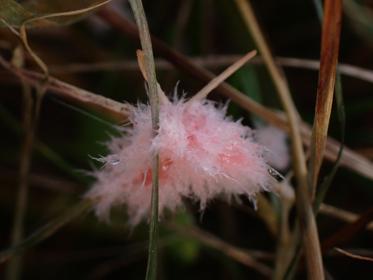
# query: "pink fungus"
[203,154]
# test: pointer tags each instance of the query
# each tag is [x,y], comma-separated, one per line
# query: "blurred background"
[96,56]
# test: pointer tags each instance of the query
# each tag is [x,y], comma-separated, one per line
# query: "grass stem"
[138,10]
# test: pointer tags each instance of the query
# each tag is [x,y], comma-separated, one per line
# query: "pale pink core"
[232,155]
[146,178]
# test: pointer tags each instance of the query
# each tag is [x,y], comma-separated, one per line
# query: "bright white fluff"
[202,153]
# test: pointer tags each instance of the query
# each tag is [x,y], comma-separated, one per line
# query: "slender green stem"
[138,10]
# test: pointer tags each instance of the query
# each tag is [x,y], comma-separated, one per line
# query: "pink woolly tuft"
[203,154]
[274,140]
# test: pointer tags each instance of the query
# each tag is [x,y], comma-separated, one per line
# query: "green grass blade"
[151,79]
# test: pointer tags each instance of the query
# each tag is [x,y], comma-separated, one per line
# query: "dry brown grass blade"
[115,110]
[183,63]
[141,64]
[348,232]
[331,30]
[354,256]
[214,83]
[342,215]
[43,13]
[14,268]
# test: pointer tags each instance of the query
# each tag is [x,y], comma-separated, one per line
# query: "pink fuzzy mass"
[202,153]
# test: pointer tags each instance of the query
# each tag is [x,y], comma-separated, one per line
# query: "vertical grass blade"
[324,186]
[138,10]
[15,266]
[328,64]
[30,119]
[321,193]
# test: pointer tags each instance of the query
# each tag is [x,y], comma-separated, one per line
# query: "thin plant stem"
[30,119]
[354,256]
[214,83]
[341,214]
[320,195]
[331,29]
[138,10]
[324,186]
[15,266]
[285,236]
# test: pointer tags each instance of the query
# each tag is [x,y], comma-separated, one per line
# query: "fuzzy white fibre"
[202,152]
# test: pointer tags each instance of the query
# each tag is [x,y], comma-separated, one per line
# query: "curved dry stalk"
[352,255]
[67,13]
[22,34]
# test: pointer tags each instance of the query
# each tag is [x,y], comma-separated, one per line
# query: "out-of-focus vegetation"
[95,52]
